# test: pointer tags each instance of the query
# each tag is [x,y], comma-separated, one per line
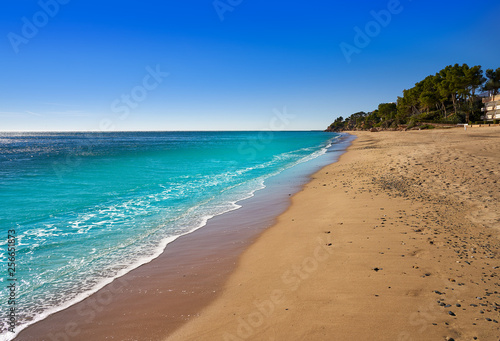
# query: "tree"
[357,119]
[442,94]
[371,119]
[409,106]
[337,125]
[473,80]
[452,83]
[387,111]
[493,83]
[428,98]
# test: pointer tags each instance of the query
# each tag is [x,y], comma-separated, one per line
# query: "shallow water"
[88,207]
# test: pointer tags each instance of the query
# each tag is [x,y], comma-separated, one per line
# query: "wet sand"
[399,240]
[156,298]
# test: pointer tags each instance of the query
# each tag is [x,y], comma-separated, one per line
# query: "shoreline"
[398,240]
[206,255]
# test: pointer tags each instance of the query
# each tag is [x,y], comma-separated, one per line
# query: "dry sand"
[399,240]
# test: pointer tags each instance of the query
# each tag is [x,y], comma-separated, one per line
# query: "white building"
[491,108]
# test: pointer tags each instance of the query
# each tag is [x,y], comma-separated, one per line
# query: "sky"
[73,65]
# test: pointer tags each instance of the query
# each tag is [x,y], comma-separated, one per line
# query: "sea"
[78,210]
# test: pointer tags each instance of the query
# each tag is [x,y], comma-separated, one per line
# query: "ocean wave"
[107,235]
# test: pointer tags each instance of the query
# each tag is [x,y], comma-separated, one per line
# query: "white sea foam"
[141,261]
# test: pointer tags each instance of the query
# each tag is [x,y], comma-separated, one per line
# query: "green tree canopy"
[492,85]
[449,96]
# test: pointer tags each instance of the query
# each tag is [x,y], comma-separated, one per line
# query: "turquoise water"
[88,207]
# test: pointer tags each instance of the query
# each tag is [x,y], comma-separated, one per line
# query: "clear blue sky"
[88,65]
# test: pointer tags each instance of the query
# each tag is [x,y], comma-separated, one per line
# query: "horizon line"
[146,131]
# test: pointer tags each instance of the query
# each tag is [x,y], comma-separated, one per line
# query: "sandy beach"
[398,240]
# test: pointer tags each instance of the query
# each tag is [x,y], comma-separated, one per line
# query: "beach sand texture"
[399,240]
